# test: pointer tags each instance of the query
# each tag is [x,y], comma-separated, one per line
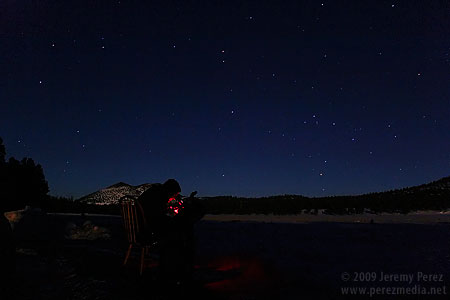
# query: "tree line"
[397,201]
[21,183]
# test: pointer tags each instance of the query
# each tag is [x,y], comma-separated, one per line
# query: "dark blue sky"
[244,98]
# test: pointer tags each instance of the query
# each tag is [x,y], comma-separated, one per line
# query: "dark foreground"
[73,257]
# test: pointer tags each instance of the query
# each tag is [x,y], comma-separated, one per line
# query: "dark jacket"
[154,204]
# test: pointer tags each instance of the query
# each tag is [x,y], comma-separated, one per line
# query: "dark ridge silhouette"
[443,183]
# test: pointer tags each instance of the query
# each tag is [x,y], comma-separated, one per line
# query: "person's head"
[172,187]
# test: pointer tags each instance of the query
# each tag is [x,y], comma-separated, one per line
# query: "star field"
[230,98]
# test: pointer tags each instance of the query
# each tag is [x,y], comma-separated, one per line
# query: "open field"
[66,256]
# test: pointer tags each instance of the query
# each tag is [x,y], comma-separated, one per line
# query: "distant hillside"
[440,186]
[431,196]
[113,193]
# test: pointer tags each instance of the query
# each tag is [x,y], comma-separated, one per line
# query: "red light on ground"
[243,274]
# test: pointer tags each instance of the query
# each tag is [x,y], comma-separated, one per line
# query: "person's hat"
[172,186]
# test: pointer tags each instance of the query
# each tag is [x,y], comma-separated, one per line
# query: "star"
[142,75]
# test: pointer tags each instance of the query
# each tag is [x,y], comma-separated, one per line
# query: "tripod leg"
[128,254]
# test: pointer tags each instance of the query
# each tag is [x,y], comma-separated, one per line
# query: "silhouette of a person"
[172,227]
[154,205]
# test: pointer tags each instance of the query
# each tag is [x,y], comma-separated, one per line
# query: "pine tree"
[21,183]
[2,151]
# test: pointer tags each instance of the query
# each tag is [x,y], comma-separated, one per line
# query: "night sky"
[246,98]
